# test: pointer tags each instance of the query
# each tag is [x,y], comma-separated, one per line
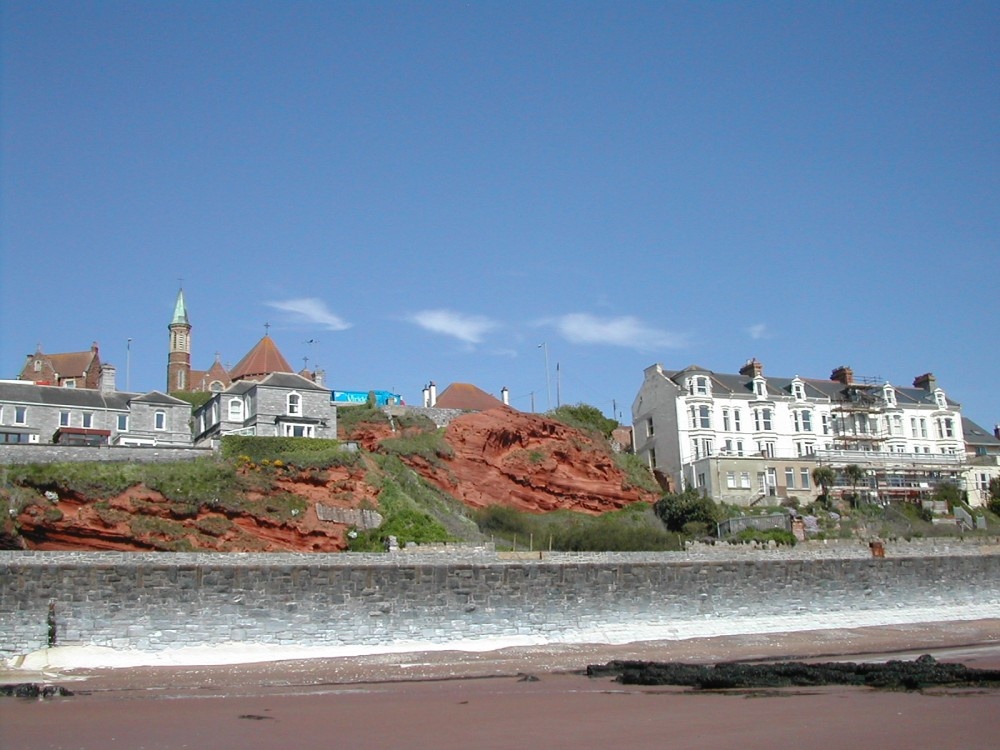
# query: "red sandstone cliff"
[530,462]
[498,456]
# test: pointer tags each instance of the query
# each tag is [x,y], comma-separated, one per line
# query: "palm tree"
[855,473]
[824,476]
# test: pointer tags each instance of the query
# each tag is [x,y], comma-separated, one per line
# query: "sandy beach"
[534,696]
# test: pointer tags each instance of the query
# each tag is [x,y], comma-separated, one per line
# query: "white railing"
[886,458]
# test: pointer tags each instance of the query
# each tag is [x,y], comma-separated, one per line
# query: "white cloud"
[467,328]
[313,311]
[758,331]
[627,331]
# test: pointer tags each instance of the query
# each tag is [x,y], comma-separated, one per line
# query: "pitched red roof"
[260,361]
[468,397]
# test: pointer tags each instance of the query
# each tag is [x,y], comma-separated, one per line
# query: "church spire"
[180,310]
[179,354]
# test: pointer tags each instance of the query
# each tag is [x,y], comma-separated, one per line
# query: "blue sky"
[430,191]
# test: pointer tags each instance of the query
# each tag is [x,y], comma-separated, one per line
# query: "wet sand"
[483,700]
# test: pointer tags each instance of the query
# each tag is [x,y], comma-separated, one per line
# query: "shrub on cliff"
[678,509]
[585,418]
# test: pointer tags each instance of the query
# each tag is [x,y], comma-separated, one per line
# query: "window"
[652,459]
[790,478]
[945,428]
[802,420]
[739,447]
[160,420]
[706,447]
[649,427]
[123,423]
[729,446]
[762,420]
[70,383]
[88,420]
[701,480]
[804,478]
[38,365]
[760,388]
[923,427]
[705,417]
[897,425]
[798,391]
[294,404]
[64,419]
[889,395]
[766,448]
[725,420]
[298,430]
[20,415]
[982,482]
[745,480]
[235,410]
[736,420]
[731,480]
[824,420]
[940,400]
[913,427]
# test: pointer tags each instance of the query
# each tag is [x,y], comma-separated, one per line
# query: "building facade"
[744,437]
[32,413]
[281,404]
[65,370]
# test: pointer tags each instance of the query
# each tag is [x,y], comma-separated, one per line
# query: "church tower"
[179,358]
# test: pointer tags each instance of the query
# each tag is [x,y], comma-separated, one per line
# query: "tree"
[678,509]
[855,474]
[993,504]
[824,476]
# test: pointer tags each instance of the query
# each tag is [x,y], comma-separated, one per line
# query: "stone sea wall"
[165,600]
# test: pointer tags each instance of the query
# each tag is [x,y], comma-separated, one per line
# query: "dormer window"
[939,398]
[38,365]
[798,391]
[701,386]
[294,405]
[235,410]
[760,387]
[889,395]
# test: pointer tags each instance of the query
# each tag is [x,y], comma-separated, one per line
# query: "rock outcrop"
[531,463]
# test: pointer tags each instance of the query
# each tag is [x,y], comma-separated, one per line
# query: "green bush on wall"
[268,448]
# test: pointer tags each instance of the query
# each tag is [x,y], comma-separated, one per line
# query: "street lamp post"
[548,388]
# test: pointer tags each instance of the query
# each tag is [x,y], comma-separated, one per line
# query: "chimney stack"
[996,431]
[505,396]
[843,374]
[752,369]
[426,395]
[319,376]
[926,382]
[433,393]
[108,373]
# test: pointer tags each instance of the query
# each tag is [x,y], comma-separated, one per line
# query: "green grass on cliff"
[632,529]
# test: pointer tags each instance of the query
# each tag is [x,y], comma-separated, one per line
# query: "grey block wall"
[157,601]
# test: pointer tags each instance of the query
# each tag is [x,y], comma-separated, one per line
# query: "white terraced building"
[745,437]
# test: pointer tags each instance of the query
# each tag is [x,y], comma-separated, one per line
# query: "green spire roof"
[180,310]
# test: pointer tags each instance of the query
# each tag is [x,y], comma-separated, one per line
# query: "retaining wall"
[158,601]
[28,453]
